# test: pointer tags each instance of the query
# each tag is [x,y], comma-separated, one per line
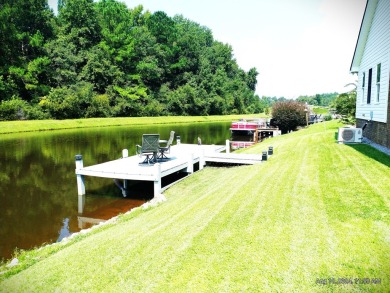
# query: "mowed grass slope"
[315,210]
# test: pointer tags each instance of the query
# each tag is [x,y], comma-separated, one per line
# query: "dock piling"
[81,204]
[202,161]
[227,146]
[80,178]
[80,183]
[124,190]
[157,180]
[190,164]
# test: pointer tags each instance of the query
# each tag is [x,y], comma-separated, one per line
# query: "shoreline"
[11,127]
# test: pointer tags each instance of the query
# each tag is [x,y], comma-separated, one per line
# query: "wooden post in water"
[157,180]
[227,146]
[256,136]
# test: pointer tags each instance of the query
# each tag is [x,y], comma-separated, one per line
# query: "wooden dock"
[263,133]
[182,158]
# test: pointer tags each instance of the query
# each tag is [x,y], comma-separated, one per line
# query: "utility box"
[350,135]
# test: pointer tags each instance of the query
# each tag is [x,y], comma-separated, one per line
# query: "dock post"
[80,183]
[81,203]
[157,180]
[190,164]
[125,154]
[264,156]
[227,146]
[201,160]
[124,189]
[80,178]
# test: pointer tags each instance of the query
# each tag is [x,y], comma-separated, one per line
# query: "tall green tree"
[78,33]
[78,20]
[102,58]
[251,79]
[345,104]
[191,40]
[25,26]
[117,22]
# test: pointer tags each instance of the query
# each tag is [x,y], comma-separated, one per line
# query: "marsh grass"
[314,213]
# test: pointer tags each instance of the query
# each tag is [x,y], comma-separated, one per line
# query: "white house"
[371,61]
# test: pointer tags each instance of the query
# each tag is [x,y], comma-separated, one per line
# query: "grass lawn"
[44,125]
[315,214]
[321,110]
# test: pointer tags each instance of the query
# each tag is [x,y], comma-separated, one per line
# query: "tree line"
[103,59]
[324,100]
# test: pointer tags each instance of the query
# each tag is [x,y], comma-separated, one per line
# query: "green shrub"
[288,115]
[126,108]
[36,112]
[100,107]
[69,102]
[328,117]
[13,109]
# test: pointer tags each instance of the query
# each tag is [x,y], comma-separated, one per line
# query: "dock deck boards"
[181,158]
[130,168]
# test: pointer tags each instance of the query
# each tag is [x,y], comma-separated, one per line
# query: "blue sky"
[299,47]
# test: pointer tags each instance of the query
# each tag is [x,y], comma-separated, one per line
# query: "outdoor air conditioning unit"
[350,135]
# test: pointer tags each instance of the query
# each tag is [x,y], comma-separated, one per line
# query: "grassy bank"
[314,211]
[43,125]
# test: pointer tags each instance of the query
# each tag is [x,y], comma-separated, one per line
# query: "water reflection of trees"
[37,186]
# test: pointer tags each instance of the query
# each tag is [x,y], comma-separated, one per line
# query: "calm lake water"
[38,190]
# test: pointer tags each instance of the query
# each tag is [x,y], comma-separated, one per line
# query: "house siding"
[378,132]
[377,51]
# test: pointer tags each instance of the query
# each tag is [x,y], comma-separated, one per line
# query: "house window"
[369,86]
[378,82]
[363,85]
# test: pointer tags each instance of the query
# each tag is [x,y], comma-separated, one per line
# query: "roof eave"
[365,28]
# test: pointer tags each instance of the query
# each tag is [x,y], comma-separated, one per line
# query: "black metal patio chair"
[149,148]
[166,149]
